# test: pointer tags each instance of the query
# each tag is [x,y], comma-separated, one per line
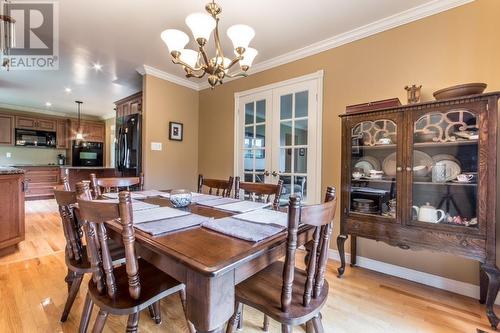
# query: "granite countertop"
[85,167]
[4,170]
[34,165]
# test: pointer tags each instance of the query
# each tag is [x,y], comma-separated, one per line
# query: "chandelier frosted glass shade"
[190,57]
[201,25]
[176,40]
[248,57]
[241,35]
[198,63]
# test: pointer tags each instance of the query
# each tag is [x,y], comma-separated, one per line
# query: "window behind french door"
[279,134]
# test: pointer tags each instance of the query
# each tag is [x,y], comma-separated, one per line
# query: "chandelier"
[197,63]
[7,34]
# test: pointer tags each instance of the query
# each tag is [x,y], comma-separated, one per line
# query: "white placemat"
[266,216]
[156,214]
[249,231]
[199,197]
[161,227]
[217,202]
[243,206]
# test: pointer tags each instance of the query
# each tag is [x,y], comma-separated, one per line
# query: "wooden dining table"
[210,264]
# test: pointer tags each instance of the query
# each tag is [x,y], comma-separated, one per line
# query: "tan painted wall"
[176,166]
[457,46]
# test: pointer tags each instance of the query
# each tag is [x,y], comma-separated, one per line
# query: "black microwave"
[32,138]
[87,153]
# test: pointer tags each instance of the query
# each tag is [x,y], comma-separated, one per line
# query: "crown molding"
[15,107]
[145,69]
[390,22]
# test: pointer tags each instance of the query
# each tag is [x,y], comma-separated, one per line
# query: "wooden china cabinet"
[423,176]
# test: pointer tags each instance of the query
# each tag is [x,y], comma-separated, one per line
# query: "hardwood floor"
[33,292]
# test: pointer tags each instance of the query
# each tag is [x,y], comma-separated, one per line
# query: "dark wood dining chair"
[259,191]
[76,257]
[115,184]
[222,187]
[283,292]
[130,288]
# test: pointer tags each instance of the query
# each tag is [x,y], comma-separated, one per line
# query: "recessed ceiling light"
[67,90]
[97,66]
[48,104]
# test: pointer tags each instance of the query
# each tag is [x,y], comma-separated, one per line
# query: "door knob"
[266,173]
[399,169]
[274,174]
[408,169]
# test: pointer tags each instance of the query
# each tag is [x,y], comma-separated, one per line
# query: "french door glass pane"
[293,142]
[286,107]
[301,132]
[285,160]
[300,162]
[260,115]
[249,113]
[255,141]
[301,103]
[286,133]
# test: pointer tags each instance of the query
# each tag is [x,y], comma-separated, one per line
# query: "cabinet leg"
[340,246]
[354,249]
[483,285]
[493,285]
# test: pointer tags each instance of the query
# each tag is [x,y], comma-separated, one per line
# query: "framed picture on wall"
[175,131]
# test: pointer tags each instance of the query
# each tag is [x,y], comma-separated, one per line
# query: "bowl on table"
[180,198]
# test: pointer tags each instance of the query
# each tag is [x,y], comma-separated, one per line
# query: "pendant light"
[79,134]
[7,33]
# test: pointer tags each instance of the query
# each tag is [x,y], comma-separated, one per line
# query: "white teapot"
[428,213]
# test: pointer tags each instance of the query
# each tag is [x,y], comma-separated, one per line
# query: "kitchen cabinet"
[91,130]
[6,129]
[62,134]
[33,123]
[129,105]
[422,176]
[11,207]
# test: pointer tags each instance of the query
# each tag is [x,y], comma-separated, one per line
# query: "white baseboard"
[458,287]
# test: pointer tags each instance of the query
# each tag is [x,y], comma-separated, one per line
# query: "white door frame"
[318,76]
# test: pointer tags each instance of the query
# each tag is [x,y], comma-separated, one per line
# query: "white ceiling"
[123,35]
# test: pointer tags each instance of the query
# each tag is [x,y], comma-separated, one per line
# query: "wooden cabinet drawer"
[42,177]
[34,192]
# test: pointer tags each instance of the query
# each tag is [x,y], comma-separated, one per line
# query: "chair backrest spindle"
[222,187]
[99,213]
[263,191]
[321,218]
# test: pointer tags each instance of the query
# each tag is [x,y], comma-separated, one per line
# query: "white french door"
[278,136]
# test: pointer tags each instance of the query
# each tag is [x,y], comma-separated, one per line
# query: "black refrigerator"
[128,154]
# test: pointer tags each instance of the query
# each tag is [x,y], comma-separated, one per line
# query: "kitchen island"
[76,174]
[11,208]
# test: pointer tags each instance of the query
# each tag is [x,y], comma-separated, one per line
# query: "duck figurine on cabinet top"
[428,213]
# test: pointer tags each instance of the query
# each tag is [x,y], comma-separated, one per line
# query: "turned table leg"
[483,285]
[340,246]
[493,275]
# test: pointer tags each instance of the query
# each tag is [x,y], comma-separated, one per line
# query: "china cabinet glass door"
[375,172]
[445,169]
